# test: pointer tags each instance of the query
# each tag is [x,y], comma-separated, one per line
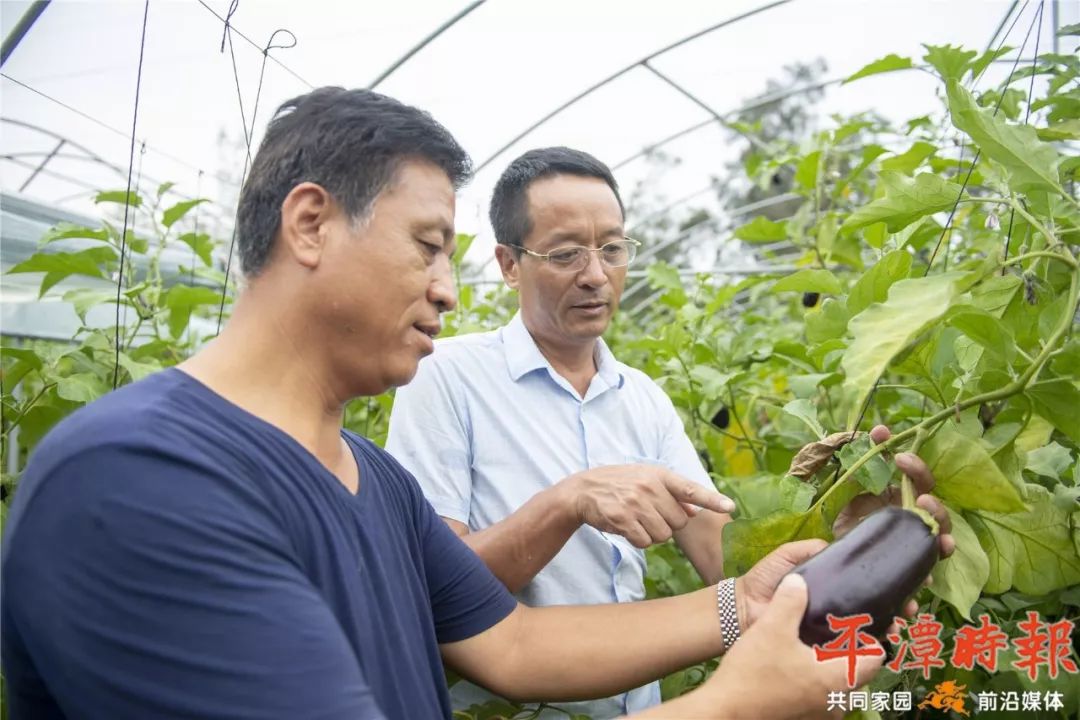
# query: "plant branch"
[1017,386]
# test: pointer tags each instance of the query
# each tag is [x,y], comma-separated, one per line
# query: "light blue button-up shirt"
[487,423]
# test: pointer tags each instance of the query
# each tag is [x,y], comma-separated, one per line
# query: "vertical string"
[948,223]
[127,196]
[248,132]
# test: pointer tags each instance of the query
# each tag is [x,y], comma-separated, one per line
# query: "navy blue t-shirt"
[170,555]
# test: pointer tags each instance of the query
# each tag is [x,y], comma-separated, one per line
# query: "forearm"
[519,546]
[701,542]
[614,647]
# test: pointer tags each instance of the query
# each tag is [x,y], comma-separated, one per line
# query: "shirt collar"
[523,356]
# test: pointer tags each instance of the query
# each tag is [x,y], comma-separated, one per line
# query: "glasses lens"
[618,253]
[566,257]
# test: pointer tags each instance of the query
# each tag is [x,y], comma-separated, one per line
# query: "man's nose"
[441,291]
[593,273]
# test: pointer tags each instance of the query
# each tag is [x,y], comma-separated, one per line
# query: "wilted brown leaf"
[815,455]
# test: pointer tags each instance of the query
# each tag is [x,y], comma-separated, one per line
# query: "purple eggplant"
[873,569]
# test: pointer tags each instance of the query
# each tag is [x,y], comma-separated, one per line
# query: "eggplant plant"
[937,294]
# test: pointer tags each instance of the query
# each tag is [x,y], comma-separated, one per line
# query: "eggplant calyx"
[927,518]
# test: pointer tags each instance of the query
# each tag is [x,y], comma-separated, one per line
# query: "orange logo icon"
[946,696]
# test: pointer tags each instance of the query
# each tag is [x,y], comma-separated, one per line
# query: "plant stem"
[742,429]
[12,424]
[1017,386]
[1041,253]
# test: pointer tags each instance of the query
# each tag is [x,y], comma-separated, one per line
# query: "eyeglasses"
[574,258]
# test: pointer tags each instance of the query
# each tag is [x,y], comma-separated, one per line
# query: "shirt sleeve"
[677,452]
[466,598]
[430,436]
[145,588]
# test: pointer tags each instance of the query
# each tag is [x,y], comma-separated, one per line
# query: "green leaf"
[66,230]
[463,242]
[906,200]
[745,541]
[807,169]
[201,245]
[663,276]
[58,266]
[965,476]
[985,329]
[907,162]
[806,386]
[85,298]
[875,473]
[883,330]
[762,229]
[810,280]
[181,300]
[1073,29]
[988,57]
[994,294]
[950,62]
[1067,130]
[179,210]
[1057,401]
[26,362]
[760,495]
[138,370]
[959,578]
[1051,460]
[164,188]
[119,196]
[1032,165]
[81,387]
[1032,551]
[827,321]
[712,382]
[805,411]
[889,63]
[874,284]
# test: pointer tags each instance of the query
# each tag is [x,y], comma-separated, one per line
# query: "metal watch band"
[729,616]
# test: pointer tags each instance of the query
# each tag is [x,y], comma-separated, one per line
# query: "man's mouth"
[429,329]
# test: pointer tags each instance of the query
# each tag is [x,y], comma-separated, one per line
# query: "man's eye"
[429,247]
[565,257]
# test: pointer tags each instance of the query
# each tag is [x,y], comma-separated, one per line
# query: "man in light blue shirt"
[554,461]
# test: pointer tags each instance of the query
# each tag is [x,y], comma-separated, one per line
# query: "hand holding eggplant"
[878,562]
[913,467]
[777,676]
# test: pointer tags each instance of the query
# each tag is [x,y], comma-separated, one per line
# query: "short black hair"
[350,142]
[509,211]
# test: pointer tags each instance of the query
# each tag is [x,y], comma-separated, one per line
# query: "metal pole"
[41,167]
[1055,14]
[423,43]
[622,72]
[21,28]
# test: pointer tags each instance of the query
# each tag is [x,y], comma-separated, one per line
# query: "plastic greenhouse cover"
[500,68]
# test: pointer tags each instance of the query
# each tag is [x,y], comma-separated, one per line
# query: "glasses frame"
[546,257]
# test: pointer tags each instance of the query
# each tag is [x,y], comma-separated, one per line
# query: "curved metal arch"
[423,43]
[628,68]
[725,117]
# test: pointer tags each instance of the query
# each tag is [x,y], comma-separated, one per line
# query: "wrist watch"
[729,615]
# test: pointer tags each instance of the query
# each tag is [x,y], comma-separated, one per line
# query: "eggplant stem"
[907,493]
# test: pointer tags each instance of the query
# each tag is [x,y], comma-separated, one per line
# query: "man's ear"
[305,215]
[509,263]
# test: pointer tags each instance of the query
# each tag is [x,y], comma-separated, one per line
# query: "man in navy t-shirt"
[209,543]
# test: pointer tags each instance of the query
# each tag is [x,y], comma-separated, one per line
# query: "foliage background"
[935,288]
